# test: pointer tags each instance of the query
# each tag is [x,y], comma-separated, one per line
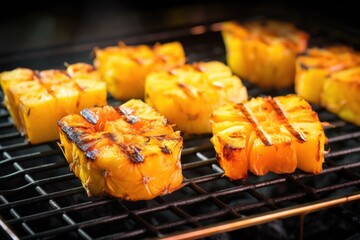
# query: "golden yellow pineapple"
[340,94]
[37,99]
[187,95]
[129,151]
[317,64]
[124,68]
[268,134]
[263,52]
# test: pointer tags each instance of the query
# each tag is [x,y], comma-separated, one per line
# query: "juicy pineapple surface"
[340,94]
[129,151]
[187,95]
[330,77]
[37,99]
[124,68]
[263,52]
[276,134]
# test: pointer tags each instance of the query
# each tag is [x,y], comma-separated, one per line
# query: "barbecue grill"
[40,198]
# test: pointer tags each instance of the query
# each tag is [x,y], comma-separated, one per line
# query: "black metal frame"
[41,198]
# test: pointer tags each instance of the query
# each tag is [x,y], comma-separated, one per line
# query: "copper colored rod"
[264,218]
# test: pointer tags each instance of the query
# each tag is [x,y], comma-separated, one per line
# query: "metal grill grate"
[41,198]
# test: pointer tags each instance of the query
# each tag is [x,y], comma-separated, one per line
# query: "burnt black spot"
[165,150]
[28,113]
[89,115]
[147,139]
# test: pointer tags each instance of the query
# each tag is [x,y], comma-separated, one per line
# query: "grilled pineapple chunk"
[330,77]
[36,100]
[130,151]
[263,52]
[317,64]
[124,68]
[187,95]
[268,134]
[340,94]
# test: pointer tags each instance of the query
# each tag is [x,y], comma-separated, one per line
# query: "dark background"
[33,26]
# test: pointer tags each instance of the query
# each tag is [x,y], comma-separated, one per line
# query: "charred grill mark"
[165,150]
[78,87]
[304,67]
[192,117]
[172,72]
[78,136]
[186,89]
[110,136]
[71,133]
[228,152]
[318,154]
[304,53]
[162,58]
[139,61]
[127,113]
[91,154]
[28,112]
[260,132]
[89,116]
[134,154]
[297,133]
[199,67]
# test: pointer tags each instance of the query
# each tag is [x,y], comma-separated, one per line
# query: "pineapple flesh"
[271,134]
[37,99]
[187,95]
[130,151]
[340,94]
[124,68]
[330,77]
[263,52]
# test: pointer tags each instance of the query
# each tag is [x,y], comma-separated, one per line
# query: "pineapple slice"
[130,151]
[330,77]
[31,95]
[340,94]
[124,68]
[187,95]
[276,134]
[9,78]
[264,52]
[314,67]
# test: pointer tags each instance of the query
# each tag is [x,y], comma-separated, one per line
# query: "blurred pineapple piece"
[340,94]
[187,95]
[264,52]
[268,134]
[124,68]
[130,151]
[317,64]
[37,99]
[330,77]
